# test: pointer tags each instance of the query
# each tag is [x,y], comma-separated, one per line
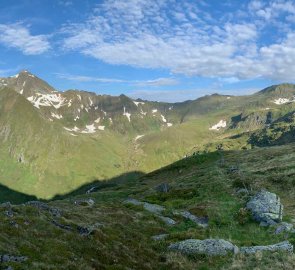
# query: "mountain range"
[52,142]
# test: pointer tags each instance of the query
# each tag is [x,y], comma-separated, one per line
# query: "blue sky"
[164,50]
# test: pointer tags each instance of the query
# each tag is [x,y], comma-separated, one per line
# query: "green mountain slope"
[53,142]
[121,237]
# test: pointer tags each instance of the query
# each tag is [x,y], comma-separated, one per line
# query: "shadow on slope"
[120,180]
[15,197]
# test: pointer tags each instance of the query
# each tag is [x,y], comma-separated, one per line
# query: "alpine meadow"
[147,134]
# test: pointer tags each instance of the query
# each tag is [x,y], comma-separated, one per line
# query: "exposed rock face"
[45,207]
[164,188]
[160,236]
[282,246]
[266,208]
[211,247]
[154,209]
[284,227]
[10,258]
[201,221]
[86,202]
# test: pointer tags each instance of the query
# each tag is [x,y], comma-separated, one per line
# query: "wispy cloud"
[154,82]
[19,37]
[186,94]
[183,37]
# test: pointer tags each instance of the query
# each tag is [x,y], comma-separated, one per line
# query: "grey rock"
[9,258]
[160,236]
[85,202]
[282,246]
[211,247]
[163,188]
[201,221]
[88,230]
[266,208]
[45,207]
[92,189]
[167,220]
[61,226]
[284,227]
[153,208]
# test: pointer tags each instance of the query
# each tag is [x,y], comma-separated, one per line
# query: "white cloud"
[181,37]
[19,37]
[154,82]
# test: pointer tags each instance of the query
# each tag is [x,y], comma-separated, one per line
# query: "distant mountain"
[52,141]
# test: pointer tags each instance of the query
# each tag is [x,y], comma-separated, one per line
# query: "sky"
[162,50]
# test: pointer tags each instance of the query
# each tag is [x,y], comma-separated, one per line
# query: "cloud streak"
[152,83]
[19,37]
[182,37]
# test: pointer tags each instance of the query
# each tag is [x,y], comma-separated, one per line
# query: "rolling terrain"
[53,142]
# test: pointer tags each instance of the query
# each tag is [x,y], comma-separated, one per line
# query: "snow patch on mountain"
[163,118]
[101,127]
[138,137]
[89,129]
[97,120]
[169,124]
[219,125]
[138,103]
[47,100]
[154,110]
[280,101]
[57,116]
[127,114]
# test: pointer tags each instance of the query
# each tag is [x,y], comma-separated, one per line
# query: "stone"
[154,209]
[282,246]
[88,230]
[45,207]
[201,221]
[9,258]
[92,189]
[211,247]
[163,188]
[266,208]
[284,227]
[160,237]
[167,220]
[62,226]
[84,202]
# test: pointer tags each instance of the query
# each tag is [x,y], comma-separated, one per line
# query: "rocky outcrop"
[201,221]
[163,188]
[154,209]
[10,258]
[284,227]
[45,207]
[160,236]
[158,210]
[217,247]
[211,247]
[84,202]
[283,246]
[266,208]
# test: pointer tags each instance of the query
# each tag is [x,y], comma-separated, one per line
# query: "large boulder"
[211,247]
[282,246]
[266,208]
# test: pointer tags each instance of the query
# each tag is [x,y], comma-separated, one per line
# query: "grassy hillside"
[121,239]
